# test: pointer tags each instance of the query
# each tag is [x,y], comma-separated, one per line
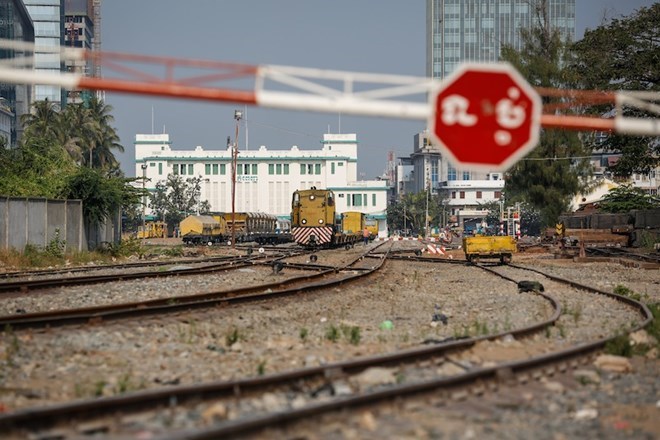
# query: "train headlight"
[303,221]
[312,197]
[320,221]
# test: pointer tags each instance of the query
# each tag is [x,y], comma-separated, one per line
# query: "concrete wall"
[36,220]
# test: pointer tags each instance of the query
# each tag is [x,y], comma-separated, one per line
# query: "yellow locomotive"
[313,220]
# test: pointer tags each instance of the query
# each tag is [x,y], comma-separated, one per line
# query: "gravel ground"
[44,367]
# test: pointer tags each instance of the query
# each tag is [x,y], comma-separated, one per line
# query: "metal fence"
[38,221]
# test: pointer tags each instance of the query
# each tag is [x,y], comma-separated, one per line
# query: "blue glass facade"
[15,24]
[48,19]
[475,30]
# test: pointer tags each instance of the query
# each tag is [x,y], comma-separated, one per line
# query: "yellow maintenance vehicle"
[480,247]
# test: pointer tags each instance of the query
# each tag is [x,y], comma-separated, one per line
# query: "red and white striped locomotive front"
[312,235]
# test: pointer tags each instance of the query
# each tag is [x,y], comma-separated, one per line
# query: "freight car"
[254,226]
[352,222]
[220,228]
[152,230]
[372,226]
[479,247]
[203,229]
[313,220]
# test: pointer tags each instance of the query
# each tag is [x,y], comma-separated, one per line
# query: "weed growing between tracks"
[125,383]
[351,333]
[233,337]
[624,291]
[576,312]
[332,334]
[622,345]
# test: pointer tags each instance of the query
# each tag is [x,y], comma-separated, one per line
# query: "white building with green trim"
[266,179]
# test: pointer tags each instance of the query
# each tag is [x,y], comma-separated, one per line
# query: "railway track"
[30,274]
[323,276]
[613,252]
[325,384]
[119,272]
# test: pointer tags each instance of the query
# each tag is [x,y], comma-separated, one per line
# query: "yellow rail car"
[352,222]
[202,229]
[489,247]
[372,226]
[152,230]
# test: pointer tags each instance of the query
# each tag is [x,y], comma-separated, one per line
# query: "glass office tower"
[48,19]
[15,24]
[475,30]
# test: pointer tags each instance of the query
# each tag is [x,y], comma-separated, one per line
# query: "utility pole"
[144,202]
[404,217]
[426,212]
[237,116]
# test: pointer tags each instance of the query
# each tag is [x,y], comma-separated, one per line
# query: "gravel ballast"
[64,364]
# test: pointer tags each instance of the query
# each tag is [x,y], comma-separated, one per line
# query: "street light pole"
[426,213]
[237,116]
[144,201]
[404,218]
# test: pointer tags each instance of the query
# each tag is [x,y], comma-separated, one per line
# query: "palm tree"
[43,120]
[47,123]
[75,130]
[105,138]
[79,128]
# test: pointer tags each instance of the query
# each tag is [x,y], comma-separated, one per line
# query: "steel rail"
[49,283]
[644,310]
[75,269]
[624,254]
[178,304]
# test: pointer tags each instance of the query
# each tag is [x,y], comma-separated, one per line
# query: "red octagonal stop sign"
[485,116]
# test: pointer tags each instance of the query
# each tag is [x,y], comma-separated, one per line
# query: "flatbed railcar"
[245,227]
[314,220]
[482,247]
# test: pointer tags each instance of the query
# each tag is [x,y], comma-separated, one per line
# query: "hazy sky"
[376,36]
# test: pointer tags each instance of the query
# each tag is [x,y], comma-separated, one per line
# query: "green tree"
[174,199]
[414,207]
[494,215]
[101,195]
[77,129]
[43,121]
[35,169]
[530,220]
[623,55]
[83,130]
[625,198]
[105,139]
[556,170]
